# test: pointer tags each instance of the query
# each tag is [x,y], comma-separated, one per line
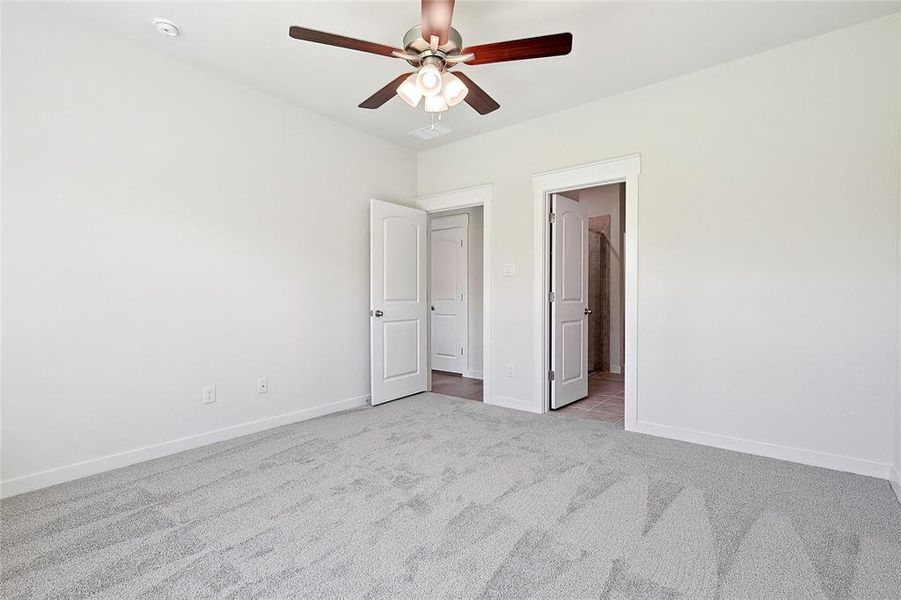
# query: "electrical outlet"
[209,394]
[509,369]
[262,385]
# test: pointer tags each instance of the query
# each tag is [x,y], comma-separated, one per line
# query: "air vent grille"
[431,131]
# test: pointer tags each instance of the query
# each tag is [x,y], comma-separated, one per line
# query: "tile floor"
[605,400]
[451,384]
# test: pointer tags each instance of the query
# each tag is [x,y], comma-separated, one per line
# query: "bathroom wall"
[598,301]
[605,214]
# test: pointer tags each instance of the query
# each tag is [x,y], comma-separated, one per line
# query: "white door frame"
[466,198]
[620,170]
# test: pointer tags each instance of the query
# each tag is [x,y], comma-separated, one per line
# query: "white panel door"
[398,239]
[569,308]
[449,296]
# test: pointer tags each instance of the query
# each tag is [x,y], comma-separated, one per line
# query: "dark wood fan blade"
[557,44]
[436,19]
[331,39]
[384,94]
[477,97]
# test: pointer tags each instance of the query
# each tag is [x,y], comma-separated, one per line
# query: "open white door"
[449,296]
[398,238]
[569,301]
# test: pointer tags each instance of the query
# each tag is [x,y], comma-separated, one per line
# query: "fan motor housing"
[414,44]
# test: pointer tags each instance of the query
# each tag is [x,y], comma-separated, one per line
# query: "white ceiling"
[617,46]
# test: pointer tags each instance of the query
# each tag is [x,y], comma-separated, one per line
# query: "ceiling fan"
[433,48]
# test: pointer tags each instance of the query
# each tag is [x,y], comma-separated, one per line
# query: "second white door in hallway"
[569,304]
[449,294]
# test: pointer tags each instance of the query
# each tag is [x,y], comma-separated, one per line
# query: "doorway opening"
[400,323]
[586,305]
[456,297]
[549,253]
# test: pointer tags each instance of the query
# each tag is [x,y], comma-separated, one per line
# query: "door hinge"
[461,297]
[461,351]
[551,297]
[552,217]
[550,375]
[461,243]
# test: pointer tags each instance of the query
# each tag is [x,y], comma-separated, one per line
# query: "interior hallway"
[605,400]
[451,384]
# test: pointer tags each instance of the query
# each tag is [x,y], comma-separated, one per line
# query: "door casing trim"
[626,170]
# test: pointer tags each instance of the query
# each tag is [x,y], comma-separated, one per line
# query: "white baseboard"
[895,479]
[27,483]
[616,368]
[798,455]
[473,374]
[507,402]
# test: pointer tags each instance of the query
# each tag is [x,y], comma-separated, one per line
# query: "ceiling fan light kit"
[433,48]
[428,80]
[435,104]
[452,89]
[409,91]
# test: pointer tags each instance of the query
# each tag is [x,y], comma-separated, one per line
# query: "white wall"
[896,472]
[768,207]
[164,229]
[607,200]
[768,230]
[475,281]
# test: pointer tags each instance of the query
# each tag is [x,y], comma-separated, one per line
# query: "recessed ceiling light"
[166,27]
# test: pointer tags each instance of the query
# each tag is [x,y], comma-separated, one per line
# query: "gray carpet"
[438,497]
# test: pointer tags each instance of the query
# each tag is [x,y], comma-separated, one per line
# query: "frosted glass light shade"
[428,80]
[409,91]
[452,89]
[435,104]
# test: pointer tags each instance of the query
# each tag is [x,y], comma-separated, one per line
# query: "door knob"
[433,308]
[378,313]
[587,311]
